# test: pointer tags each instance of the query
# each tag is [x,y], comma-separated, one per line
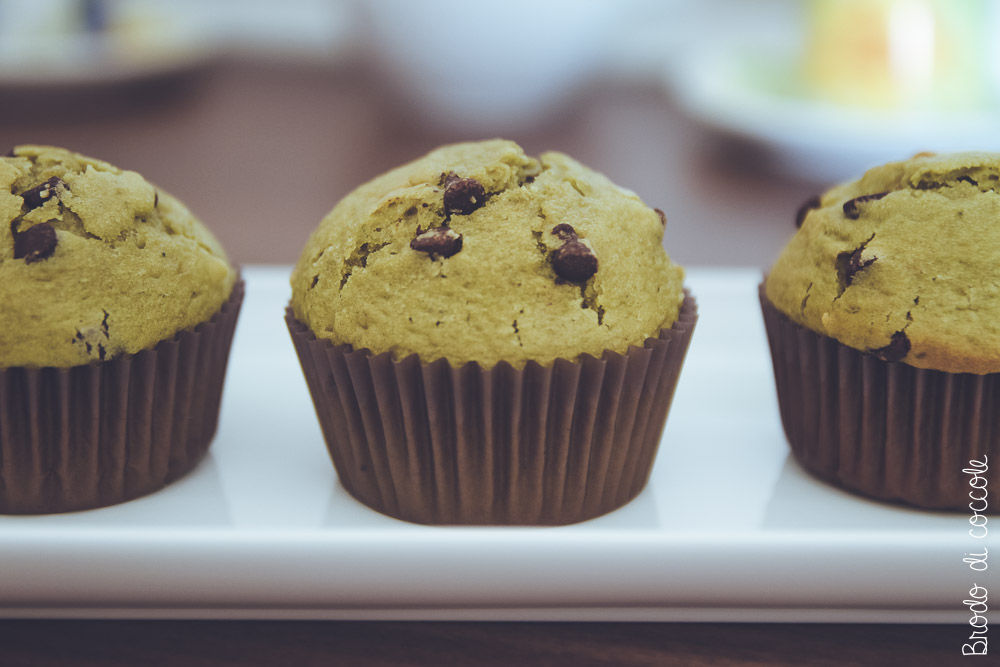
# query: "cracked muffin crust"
[477,252]
[903,263]
[97,262]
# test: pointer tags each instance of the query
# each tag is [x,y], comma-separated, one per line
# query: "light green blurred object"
[925,54]
[885,54]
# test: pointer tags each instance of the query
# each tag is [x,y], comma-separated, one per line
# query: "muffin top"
[96,262]
[476,252]
[903,263]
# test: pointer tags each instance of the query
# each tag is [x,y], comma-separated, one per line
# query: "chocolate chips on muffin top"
[35,243]
[808,205]
[80,238]
[486,254]
[573,261]
[896,350]
[462,195]
[911,245]
[442,241]
[43,192]
[564,232]
[851,206]
[662,215]
[850,263]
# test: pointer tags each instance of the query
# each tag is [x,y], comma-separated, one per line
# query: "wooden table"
[261,151]
[305,643]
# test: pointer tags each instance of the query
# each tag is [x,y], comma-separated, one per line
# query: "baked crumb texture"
[96,262]
[477,252]
[903,263]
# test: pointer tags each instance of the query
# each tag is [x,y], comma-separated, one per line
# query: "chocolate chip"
[663,216]
[443,241]
[896,350]
[462,195]
[849,263]
[574,261]
[968,179]
[564,232]
[156,198]
[851,209]
[808,205]
[42,192]
[10,153]
[35,243]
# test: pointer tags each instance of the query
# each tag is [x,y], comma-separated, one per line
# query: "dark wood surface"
[260,152]
[305,643]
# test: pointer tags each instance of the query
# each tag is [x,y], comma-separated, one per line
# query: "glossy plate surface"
[729,529]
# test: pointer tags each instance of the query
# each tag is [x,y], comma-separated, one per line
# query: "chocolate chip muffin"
[478,252]
[96,262]
[116,311]
[884,318]
[513,330]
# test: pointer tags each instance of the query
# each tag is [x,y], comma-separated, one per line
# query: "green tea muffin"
[117,309]
[491,338]
[883,313]
[477,252]
[96,262]
[904,262]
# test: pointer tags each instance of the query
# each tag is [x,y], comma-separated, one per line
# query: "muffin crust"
[477,252]
[96,262]
[903,262]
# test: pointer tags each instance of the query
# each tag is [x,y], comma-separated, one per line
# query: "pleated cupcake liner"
[542,445]
[100,434]
[888,431]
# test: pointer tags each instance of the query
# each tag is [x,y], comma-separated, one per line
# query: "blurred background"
[726,114]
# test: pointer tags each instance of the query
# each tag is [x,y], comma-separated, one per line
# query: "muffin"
[490,338]
[117,309]
[883,315]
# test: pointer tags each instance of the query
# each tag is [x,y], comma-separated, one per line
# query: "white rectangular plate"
[729,528]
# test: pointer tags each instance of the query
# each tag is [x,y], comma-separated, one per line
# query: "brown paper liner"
[95,435]
[543,445]
[889,431]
